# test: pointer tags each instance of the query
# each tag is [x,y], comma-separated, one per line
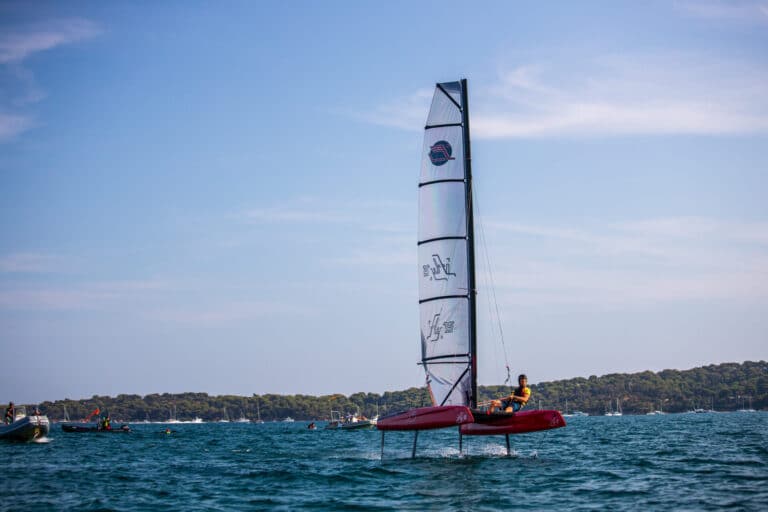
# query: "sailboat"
[172,416]
[258,414]
[617,412]
[447,292]
[242,418]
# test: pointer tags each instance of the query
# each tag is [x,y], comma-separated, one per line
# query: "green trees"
[723,387]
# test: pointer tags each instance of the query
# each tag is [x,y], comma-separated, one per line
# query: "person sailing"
[515,401]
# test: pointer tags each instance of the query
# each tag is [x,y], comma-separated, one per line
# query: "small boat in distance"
[288,419]
[335,422]
[81,428]
[358,422]
[746,409]
[100,425]
[172,416]
[25,428]
[258,419]
[617,412]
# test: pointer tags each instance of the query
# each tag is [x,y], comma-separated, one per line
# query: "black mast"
[470,244]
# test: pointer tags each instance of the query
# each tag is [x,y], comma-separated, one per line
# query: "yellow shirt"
[523,393]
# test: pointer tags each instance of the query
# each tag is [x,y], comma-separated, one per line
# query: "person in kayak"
[10,413]
[515,401]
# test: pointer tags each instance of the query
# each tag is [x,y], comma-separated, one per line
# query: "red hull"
[425,418]
[517,423]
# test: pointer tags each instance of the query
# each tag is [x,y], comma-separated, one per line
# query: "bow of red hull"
[514,423]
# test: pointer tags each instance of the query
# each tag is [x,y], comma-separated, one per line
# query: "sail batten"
[446,300]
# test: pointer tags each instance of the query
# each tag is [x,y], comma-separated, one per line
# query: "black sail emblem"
[440,152]
[439,270]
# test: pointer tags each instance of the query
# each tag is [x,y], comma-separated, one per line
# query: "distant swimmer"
[516,400]
[312,426]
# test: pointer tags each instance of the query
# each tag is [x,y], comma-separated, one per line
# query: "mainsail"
[447,287]
[446,253]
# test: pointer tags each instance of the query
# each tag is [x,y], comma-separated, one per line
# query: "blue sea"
[670,462]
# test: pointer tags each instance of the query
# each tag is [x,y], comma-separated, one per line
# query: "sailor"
[516,400]
[107,423]
[10,413]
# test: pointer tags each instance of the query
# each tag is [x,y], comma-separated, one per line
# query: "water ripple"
[675,462]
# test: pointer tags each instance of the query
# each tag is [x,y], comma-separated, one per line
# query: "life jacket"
[523,393]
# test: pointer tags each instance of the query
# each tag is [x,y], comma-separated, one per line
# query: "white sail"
[444,252]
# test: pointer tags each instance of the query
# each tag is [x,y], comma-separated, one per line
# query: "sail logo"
[439,270]
[438,329]
[440,152]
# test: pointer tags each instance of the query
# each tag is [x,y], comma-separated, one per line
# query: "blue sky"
[222,197]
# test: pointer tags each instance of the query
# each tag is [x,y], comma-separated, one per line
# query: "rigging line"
[486,285]
[493,292]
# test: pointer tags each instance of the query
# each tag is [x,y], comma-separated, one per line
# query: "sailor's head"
[522,379]
[11,404]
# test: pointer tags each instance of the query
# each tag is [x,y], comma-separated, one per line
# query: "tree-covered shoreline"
[724,387]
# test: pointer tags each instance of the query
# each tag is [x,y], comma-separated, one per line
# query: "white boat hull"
[27,428]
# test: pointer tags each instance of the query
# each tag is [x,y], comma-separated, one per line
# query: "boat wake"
[42,440]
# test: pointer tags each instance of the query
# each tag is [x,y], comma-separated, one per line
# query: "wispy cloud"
[371,215]
[28,262]
[749,11]
[17,45]
[612,95]
[87,296]
[407,113]
[223,314]
[12,125]
[614,264]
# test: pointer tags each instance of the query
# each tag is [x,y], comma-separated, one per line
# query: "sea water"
[669,462]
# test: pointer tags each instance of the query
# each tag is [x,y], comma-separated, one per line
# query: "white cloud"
[25,262]
[77,296]
[223,315]
[613,95]
[373,216]
[616,264]
[17,45]
[732,10]
[399,254]
[12,125]
[408,113]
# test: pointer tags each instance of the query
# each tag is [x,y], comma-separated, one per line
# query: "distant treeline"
[724,387]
